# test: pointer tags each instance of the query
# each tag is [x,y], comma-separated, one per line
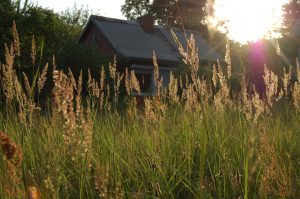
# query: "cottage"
[133,43]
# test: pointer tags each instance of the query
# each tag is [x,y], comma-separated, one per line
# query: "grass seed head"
[16,41]
[33,50]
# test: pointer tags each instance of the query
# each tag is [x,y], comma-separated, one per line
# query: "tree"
[7,14]
[189,13]
[53,32]
[136,8]
[291,15]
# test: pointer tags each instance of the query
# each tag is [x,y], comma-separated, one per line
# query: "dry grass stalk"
[189,55]
[215,76]
[203,90]
[180,82]
[90,82]
[118,191]
[156,70]
[43,78]
[246,102]
[173,90]
[102,87]
[107,100]
[13,90]
[72,79]
[267,157]
[8,74]
[117,86]
[78,125]
[63,96]
[286,80]
[79,84]
[22,102]
[12,151]
[116,77]
[222,97]
[50,188]
[271,82]
[13,158]
[228,59]
[191,99]
[275,181]
[296,89]
[296,96]
[195,89]
[158,82]
[155,109]
[87,125]
[251,156]
[33,193]
[113,68]
[158,189]
[101,177]
[16,41]
[78,97]
[12,87]
[26,104]
[53,63]
[134,83]
[95,89]
[132,110]
[127,82]
[258,105]
[27,85]
[33,50]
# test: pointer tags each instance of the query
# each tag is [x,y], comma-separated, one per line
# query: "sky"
[108,8]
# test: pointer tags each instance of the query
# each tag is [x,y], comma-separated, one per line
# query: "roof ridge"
[135,22]
[114,20]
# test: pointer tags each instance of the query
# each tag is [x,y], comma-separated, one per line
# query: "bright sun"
[248,20]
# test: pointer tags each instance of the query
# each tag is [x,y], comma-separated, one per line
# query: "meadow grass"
[203,143]
[180,157]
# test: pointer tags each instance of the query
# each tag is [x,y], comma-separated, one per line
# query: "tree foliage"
[54,33]
[136,8]
[189,13]
[291,15]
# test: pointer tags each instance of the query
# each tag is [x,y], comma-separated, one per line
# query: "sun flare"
[248,20]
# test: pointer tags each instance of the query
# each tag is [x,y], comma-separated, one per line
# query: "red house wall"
[93,37]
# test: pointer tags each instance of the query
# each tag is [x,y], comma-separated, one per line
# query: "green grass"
[186,155]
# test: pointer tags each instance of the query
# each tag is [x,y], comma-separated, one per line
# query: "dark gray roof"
[130,40]
[206,52]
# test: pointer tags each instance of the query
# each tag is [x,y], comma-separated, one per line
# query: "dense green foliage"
[168,12]
[291,15]
[54,33]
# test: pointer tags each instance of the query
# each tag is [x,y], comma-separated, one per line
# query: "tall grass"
[206,142]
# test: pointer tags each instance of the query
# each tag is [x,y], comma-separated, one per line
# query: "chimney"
[147,23]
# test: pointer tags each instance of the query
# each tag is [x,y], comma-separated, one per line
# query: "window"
[145,80]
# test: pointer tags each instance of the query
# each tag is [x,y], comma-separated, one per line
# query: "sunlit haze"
[248,20]
[105,8]
[242,20]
